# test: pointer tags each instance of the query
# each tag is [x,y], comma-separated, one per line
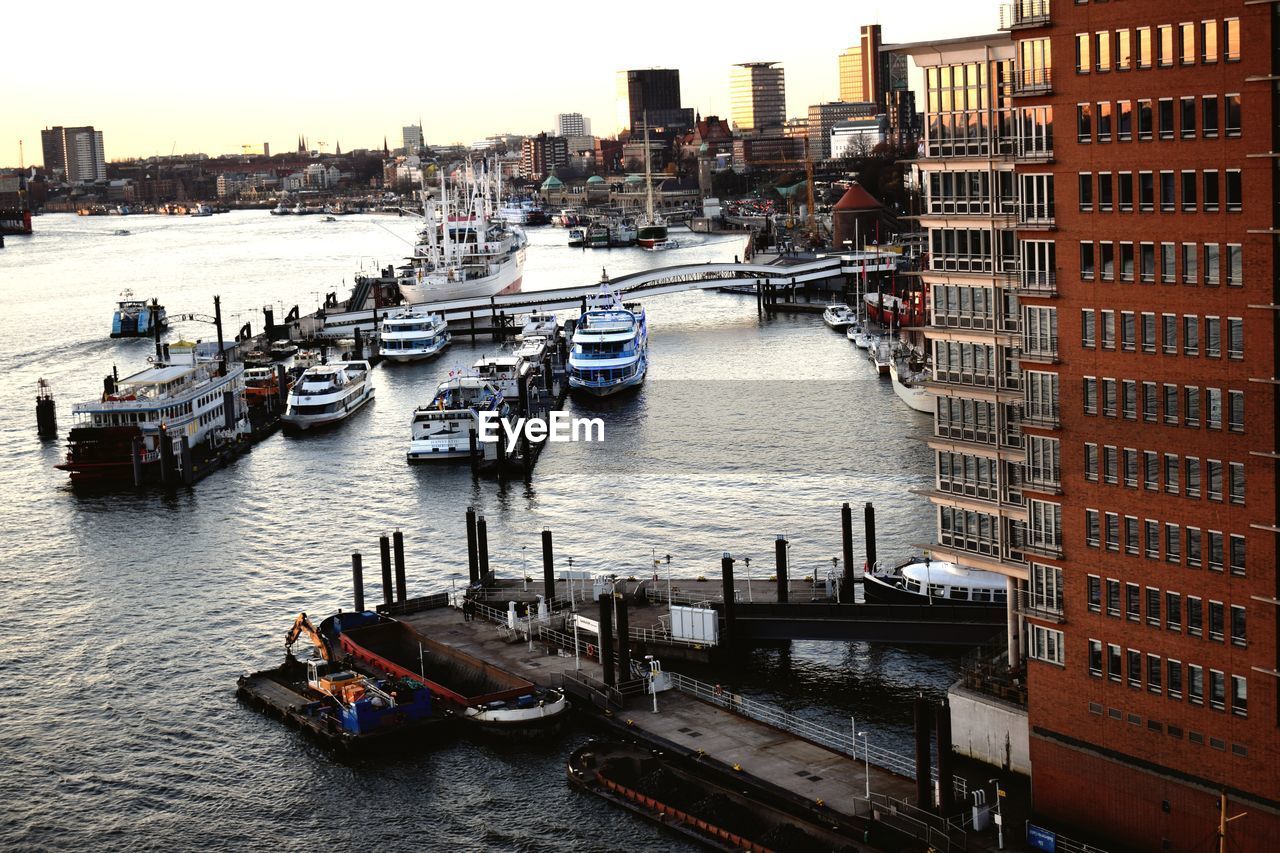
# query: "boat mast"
[429,217]
[648,175]
[444,207]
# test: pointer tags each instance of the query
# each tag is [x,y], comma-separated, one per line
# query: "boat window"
[999,596]
[982,595]
[960,593]
[937,590]
[913,585]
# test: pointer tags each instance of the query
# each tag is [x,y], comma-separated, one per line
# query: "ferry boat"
[577,236]
[598,236]
[134,318]
[465,250]
[328,393]
[119,439]
[908,384]
[410,335]
[502,371]
[622,232]
[442,429]
[281,209]
[925,581]
[610,347]
[839,316]
[543,324]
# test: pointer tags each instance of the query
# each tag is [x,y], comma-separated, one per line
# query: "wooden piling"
[780,567]
[357,580]
[397,542]
[482,550]
[924,782]
[388,590]
[473,564]
[726,577]
[942,732]
[846,540]
[606,639]
[624,637]
[869,528]
[548,569]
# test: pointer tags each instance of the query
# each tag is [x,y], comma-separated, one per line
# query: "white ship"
[839,316]
[443,428]
[908,384]
[610,350]
[465,250]
[542,324]
[328,393]
[410,335]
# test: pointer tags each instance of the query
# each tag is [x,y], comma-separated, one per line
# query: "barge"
[687,800]
[475,690]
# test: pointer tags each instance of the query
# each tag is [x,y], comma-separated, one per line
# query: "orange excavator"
[325,676]
[301,624]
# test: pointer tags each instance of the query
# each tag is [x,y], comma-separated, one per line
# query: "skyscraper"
[757,96]
[860,71]
[76,152]
[655,92]
[411,134]
[572,124]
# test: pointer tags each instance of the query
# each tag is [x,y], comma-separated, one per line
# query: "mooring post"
[606,638]
[473,565]
[188,471]
[942,731]
[548,569]
[482,550]
[166,457]
[624,637]
[282,388]
[397,541]
[726,577]
[137,461]
[846,534]
[924,796]
[869,528]
[780,567]
[388,589]
[357,580]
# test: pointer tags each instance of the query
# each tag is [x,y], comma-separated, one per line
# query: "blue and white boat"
[134,318]
[610,350]
[410,335]
[442,429]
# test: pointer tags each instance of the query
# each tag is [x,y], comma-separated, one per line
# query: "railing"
[1029,604]
[1036,216]
[1024,13]
[1035,151]
[1032,81]
[988,672]
[936,832]
[835,739]
[1040,415]
[1043,352]
[1038,281]
[1036,481]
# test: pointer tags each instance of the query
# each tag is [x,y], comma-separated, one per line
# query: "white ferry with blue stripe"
[610,351]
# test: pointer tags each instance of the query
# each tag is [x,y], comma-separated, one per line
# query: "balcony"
[1033,151]
[1024,14]
[1032,81]
[1036,217]
[1038,282]
[1035,481]
[1038,351]
[1038,606]
[1040,415]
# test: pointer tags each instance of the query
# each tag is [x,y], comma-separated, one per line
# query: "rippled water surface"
[129,617]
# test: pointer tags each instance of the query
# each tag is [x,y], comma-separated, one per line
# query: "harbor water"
[128,617]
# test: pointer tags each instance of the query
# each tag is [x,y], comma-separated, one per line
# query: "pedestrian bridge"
[498,311]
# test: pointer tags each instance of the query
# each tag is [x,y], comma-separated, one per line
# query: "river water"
[129,617]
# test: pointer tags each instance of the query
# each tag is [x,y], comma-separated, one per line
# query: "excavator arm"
[300,625]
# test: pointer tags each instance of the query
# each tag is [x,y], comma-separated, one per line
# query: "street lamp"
[866,763]
[653,680]
[747,560]
[524,568]
[999,816]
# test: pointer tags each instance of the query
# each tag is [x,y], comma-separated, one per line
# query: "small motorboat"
[839,316]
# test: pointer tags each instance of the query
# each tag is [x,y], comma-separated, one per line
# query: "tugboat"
[134,318]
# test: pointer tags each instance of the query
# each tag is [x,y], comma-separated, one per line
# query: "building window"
[1094,587]
[1124,51]
[1151,469]
[1114,662]
[1235,411]
[1171,413]
[1209,116]
[1124,120]
[1210,190]
[1090,395]
[1126,257]
[1235,552]
[1172,543]
[1217,689]
[1195,616]
[1105,195]
[1217,621]
[1087,328]
[1128,331]
[1168,263]
[1212,264]
[1108,398]
[1187,43]
[1235,265]
[1046,644]
[1187,116]
[1082,53]
[1192,466]
[1190,327]
[1213,479]
[1213,408]
[1102,50]
[1110,464]
[1113,531]
[1086,261]
[1235,191]
[1103,116]
[1231,46]
[1107,260]
[1173,611]
[1154,668]
[1091,527]
[1085,184]
[1126,191]
[1095,658]
[1091,462]
[1144,118]
[1235,474]
[1144,47]
[1149,412]
[1148,319]
[1164,45]
[1084,123]
[1193,547]
[1135,668]
[1208,41]
[1239,696]
[1238,631]
[1165,118]
[1169,329]
[1175,683]
[1131,543]
[1151,542]
[1212,337]
[1235,337]
[1195,683]
[1190,264]
[1232,104]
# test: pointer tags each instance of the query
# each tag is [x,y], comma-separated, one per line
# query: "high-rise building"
[412,137]
[77,152]
[822,117]
[757,96]
[860,73]
[572,124]
[541,155]
[655,93]
[1103,332]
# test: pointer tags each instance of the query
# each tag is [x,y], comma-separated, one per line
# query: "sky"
[161,78]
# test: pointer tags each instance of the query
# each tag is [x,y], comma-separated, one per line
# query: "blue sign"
[1041,839]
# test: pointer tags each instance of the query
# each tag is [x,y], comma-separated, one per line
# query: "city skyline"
[216,95]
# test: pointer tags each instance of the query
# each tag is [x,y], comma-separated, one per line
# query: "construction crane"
[303,624]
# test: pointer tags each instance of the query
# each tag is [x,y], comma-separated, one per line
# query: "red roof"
[856,198]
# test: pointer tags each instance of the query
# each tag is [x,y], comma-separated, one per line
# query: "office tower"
[757,96]
[654,92]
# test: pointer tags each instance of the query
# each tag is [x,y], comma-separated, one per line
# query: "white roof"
[942,573]
[159,375]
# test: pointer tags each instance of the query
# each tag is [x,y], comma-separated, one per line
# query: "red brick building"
[1146,181]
